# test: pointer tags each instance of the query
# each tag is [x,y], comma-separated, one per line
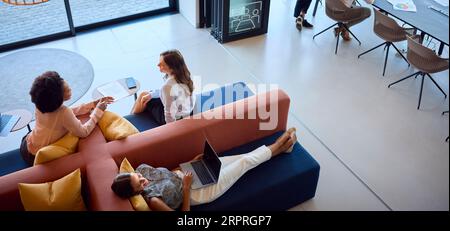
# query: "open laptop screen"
[212,160]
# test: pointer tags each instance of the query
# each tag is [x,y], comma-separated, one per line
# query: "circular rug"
[18,71]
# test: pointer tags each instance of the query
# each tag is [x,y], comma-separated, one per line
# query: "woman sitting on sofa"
[175,99]
[53,119]
[166,190]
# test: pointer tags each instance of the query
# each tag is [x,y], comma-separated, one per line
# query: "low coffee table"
[25,117]
[122,82]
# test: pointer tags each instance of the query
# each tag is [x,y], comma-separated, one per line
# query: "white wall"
[190,10]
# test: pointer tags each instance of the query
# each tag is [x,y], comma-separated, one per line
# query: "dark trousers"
[155,109]
[26,156]
[301,6]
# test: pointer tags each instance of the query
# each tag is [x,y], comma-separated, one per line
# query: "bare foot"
[284,142]
[294,139]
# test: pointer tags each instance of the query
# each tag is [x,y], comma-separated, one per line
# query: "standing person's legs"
[298,8]
[301,7]
[233,167]
[26,156]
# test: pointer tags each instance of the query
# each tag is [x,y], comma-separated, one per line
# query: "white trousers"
[233,167]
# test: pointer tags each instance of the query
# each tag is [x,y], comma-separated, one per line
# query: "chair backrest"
[387,28]
[420,56]
[335,9]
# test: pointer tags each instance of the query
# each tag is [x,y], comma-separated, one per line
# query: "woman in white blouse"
[175,100]
[53,118]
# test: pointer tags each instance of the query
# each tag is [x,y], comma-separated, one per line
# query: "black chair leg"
[401,54]
[324,30]
[421,90]
[407,77]
[337,44]
[346,27]
[437,85]
[386,59]
[315,7]
[443,113]
[359,56]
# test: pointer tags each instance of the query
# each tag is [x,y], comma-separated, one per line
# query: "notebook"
[7,122]
[205,171]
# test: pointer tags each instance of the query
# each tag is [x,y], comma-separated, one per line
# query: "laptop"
[205,171]
[7,122]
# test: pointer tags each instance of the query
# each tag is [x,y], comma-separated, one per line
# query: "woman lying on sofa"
[53,119]
[171,190]
[175,99]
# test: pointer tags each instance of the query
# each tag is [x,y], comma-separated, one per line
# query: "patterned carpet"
[18,70]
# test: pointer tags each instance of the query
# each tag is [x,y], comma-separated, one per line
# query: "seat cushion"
[277,184]
[11,162]
[142,121]
[221,96]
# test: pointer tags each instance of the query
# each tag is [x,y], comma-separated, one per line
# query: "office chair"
[387,29]
[336,10]
[426,61]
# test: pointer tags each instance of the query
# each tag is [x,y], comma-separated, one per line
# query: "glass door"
[19,24]
[87,12]
[54,19]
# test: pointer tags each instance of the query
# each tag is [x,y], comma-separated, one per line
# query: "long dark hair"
[175,61]
[122,185]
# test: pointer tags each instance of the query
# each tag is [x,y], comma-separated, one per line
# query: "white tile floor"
[376,151]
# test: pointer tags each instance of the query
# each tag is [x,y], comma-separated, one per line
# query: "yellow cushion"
[66,145]
[60,195]
[115,127]
[138,201]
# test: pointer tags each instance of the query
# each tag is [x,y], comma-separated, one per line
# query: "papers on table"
[442,2]
[404,5]
[113,89]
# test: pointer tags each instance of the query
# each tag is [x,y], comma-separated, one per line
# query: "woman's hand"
[107,99]
[145,98]
[141,102]
[187,181]
[102,103]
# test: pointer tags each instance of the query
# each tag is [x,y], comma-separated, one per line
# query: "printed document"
[113,89]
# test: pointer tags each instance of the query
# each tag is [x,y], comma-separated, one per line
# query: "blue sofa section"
[290,178]
[11,162]
[204,102]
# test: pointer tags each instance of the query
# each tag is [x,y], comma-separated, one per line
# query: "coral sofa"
[278,184]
